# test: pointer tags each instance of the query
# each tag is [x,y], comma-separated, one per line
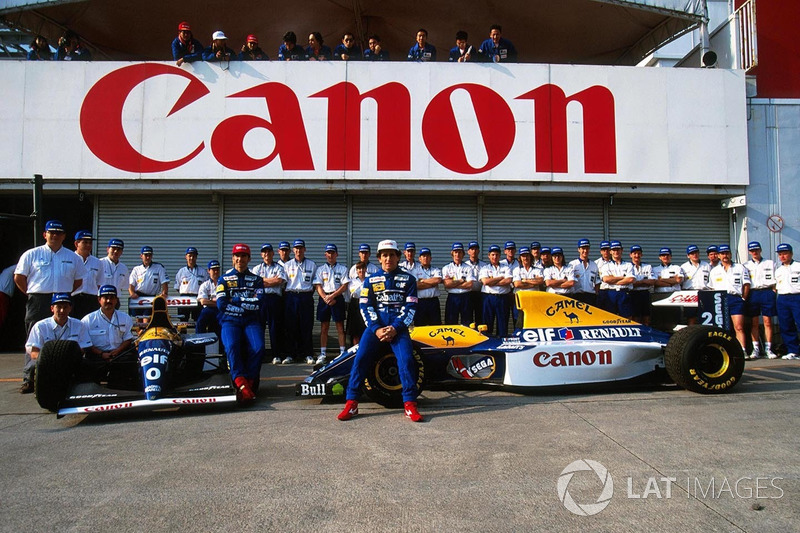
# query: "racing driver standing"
[388,301]
[240,297]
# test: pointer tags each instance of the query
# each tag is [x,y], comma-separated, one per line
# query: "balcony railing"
[746,35]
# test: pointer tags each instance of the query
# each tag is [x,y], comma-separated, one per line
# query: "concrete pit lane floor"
[644,459]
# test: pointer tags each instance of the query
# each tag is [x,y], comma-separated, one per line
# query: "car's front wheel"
[704,359]
[57,363]
[382,383]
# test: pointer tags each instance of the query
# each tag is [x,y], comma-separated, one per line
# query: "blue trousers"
[368,349]
[207,321]
[273,322]
[299,316]
[248,366]
[789,319]
[619,303]
[495,308]
[458,309]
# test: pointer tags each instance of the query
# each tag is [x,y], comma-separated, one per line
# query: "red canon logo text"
[102,126]
[577,358]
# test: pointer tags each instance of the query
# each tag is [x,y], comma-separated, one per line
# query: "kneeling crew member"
[109,329]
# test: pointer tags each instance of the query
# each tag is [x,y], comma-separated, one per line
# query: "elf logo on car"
[539,335]
[577,358]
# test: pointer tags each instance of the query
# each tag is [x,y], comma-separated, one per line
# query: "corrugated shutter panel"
[551,221]
[169,225]
[430,221]
[676,223]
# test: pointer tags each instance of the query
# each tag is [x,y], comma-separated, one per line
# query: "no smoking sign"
[775,223]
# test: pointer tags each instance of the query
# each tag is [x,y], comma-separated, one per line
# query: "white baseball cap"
[388,244]
[218,35]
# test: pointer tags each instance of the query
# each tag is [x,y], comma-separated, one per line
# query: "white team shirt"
[105,334]
[643,272]
[762,274]
[463,272]
[355,286]
[90,278]
[521,273]
[188,280]
[511,266]
[7,281]
[274,270]
[422,273]
[476,270]
[148,280]
[498,271]
[565,272]
[371,269]
[696,277]
[408,266]
[331,277]
[586,276]
[48,271]
[208,290]
[300,275]
[113,274]
[48,330]
[623,269]
[787,278]
[665,272]
[732,280]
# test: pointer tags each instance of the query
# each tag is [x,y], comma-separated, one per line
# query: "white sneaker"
[771,355]
[309,360]
[790,356]
[752,357]
[276,360]
[321,359]
[288,361]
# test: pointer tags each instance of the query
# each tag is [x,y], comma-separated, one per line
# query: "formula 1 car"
[166,369]
[563,343]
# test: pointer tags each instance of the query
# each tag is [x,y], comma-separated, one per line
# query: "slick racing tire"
[704,359]
[57,363]
[382,383]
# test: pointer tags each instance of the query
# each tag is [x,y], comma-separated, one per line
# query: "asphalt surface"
[482,461]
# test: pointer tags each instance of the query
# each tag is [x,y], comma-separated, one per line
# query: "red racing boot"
[244,394]
[411,412]
[350,410]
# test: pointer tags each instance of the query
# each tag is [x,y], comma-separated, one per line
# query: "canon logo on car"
[187,401]
[576,358]
[102,126]
[110,407]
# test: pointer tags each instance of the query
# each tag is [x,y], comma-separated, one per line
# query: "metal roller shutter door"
[431,221]
[551,221]
[169,225]
[675,223]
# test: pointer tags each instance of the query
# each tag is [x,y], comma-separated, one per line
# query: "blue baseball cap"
[605,244]
[60,297]
[636,248]
[723,248]
[692,248]
[331,248]
[510,244]
[556,250]
[494,248]
[284,245]
[83,234]
[213,264]
[784,247]
[536,244]
[712,248]
[615,244]
[107,290]
[54,225]
[457,246]
[146,250]
[545,250]
[473,244]
[364,247]
[753,245]
[116,243]
[665,251]
[266,246]
[191,250]
[410,246]
[299,243]
[423,251]
[524,250]
[584,242]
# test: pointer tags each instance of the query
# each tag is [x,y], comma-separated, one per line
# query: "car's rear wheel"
[382,383]
[57,363]
[704,359]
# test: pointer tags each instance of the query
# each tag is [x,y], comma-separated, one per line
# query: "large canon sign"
[378,121]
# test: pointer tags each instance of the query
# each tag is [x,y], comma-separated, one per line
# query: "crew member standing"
[148,279]
[274,279]
[695,278]
[299,311]
[735,280]
[429,313]
[458,278]
[331,282]
[787,278]
[112,270]
[84,299]
[586,275]
[762,299]
[475,294]
[188,281]
[617,276]
[496,280]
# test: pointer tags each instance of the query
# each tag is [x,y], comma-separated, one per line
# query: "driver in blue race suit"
[240,297]
[387,303]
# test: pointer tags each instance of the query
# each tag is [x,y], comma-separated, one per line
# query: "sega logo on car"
[576,358]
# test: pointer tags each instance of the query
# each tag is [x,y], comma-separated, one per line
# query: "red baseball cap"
[241,249]
[184,26]
[252,39]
